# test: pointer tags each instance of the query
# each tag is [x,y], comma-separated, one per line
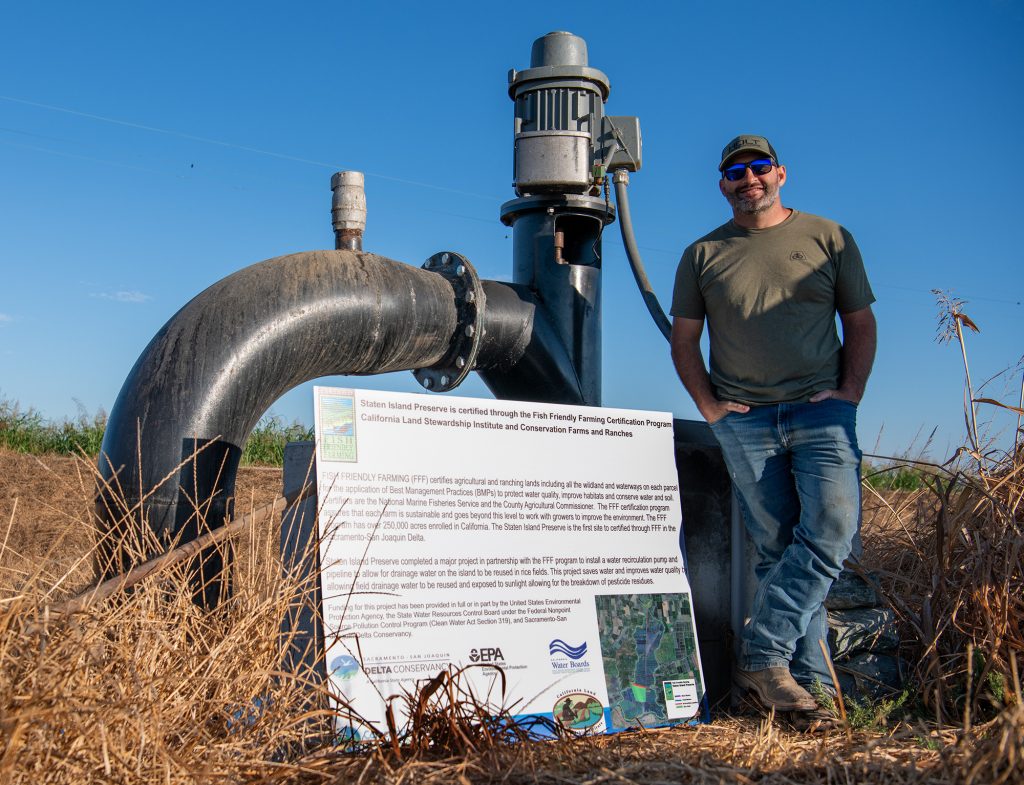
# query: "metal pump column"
[559,215]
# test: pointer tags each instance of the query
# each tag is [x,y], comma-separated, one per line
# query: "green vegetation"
[27,431]
[879,715]
[869,714]
[895,477]
[927,742]
[265,446]
[996,683]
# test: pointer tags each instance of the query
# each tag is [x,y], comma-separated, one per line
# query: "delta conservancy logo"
[344,667]
[568,658]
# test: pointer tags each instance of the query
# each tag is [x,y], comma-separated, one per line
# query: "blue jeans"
[795,468]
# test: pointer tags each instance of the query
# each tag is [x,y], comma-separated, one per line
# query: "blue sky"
[148,150]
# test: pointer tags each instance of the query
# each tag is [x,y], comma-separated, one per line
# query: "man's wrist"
[853,395]
[717,409]
[708,409]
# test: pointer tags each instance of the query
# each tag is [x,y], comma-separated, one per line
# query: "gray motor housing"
[560,133]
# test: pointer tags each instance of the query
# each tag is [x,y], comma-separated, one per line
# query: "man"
[781,399]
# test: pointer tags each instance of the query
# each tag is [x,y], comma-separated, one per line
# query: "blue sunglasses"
[739,171]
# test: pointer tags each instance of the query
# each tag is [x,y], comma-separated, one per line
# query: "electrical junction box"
[628,153]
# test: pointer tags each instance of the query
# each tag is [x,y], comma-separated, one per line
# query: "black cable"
[636,264]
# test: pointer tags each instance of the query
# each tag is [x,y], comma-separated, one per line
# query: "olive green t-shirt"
[770,298]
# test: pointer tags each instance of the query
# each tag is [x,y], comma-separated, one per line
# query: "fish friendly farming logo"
[337,437]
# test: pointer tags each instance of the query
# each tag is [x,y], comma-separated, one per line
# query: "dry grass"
[728,750]
[147,688]
[951,557]
[144,687]
[951,561]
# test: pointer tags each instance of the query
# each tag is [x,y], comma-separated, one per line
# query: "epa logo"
[486,654]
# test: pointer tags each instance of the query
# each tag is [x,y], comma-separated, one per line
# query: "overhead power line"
[234,146]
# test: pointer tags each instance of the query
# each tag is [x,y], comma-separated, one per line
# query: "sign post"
[540,539]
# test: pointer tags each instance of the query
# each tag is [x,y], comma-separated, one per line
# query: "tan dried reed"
[139,686]
[143,686]
[951,558]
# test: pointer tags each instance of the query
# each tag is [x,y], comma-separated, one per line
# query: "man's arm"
[694,375]
[860,336]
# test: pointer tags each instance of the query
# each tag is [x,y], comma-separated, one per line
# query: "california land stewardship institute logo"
[577,711]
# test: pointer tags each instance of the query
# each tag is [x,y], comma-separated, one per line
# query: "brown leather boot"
[777,689]
[818,721]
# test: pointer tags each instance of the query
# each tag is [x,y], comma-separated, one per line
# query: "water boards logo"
[558,646]
[344,667]
[566,657]
[577,711]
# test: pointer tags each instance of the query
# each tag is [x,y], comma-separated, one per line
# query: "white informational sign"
[540,539]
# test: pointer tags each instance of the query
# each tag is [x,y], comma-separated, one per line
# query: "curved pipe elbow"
[219,363]
[174,438]
[521,354]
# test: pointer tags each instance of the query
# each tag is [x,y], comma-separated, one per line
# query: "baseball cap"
[747,143]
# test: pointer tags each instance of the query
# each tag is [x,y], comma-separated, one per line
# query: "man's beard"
[752,206]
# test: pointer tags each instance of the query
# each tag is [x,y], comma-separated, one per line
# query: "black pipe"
[209,375]
[522,357]
[636,264]
[556,254]
[175,434]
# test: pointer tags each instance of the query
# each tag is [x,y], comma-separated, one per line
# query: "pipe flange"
[469,303]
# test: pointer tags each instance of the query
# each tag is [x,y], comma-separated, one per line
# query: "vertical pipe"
[558,216]
[567,282]
[348,210]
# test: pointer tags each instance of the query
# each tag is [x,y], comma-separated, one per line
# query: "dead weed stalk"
[136,683]
[951,557]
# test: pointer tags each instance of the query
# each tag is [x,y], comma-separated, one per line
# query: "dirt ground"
[45,514]
[46,507]
[41,496]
